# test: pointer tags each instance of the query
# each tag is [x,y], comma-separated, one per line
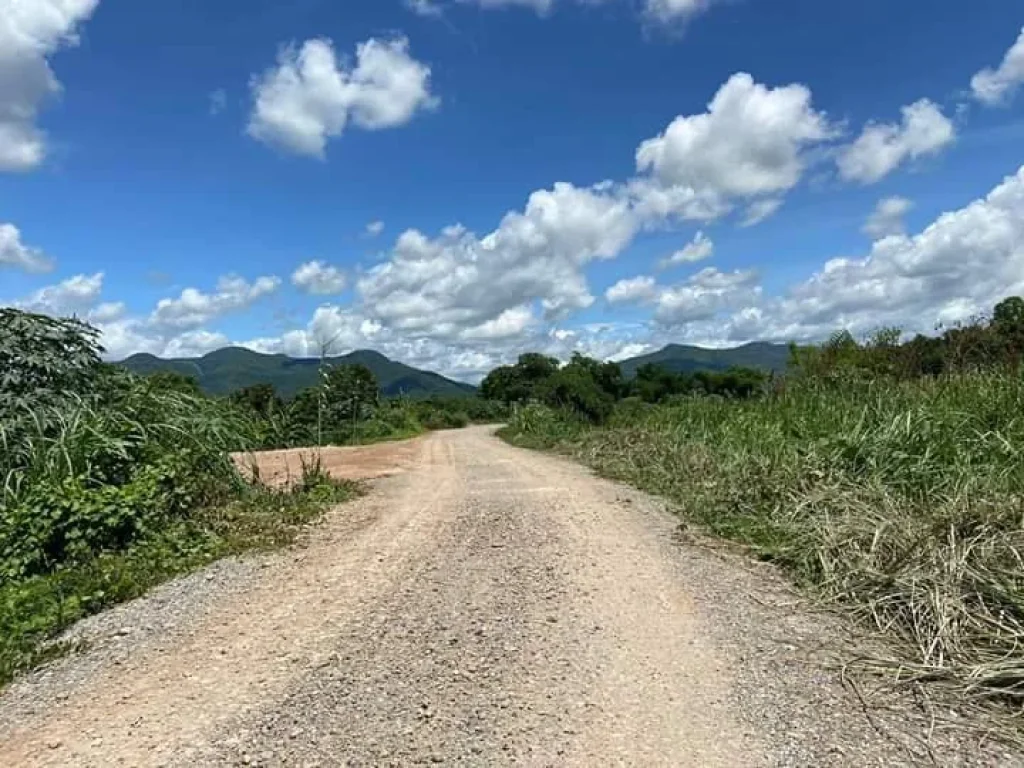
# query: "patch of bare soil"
[358,462]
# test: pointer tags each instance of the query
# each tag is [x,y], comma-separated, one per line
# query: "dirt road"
[484,606]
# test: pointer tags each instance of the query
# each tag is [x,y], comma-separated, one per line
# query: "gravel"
[486,606]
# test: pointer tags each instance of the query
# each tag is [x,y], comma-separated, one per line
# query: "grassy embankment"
[110,484]
[901,502]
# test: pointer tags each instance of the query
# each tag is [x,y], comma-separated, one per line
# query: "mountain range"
[680,358]
[231,368]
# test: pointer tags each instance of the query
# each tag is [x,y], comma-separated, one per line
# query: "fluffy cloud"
[702,297]
[698,249]
[332,330]
[14,253]
[193,308]
[882,147]
[318,278]
[705,295]
[750,142]
[887,218]
[73,296]
[107,312]
[634,290]
[374,228]
[457,283]
[995,86]
[310,96]
[194,344]
[459,286]
[29,33]
[962,264]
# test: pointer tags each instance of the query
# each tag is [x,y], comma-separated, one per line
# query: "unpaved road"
[484,606]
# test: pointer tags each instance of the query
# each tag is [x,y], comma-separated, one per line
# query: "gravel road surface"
[484,605]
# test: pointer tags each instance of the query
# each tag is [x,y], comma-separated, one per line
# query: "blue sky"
[189,175]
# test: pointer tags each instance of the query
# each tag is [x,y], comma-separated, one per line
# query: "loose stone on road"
[483,605]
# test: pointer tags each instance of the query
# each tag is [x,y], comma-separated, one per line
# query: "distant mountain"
[231,368]
[680,358]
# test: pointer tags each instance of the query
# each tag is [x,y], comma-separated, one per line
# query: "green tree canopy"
[44,357]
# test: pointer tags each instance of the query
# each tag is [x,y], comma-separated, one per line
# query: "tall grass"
[108,493]
[101,439]
[110,483]
[901,501]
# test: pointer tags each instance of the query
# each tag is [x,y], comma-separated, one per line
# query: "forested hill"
[680,358]
[229,369]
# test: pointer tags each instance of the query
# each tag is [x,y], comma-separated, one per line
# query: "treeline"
[985,343]
[591,389]
[345,407]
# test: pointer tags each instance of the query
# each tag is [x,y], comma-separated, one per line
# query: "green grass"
[110,483]
[35,609]
[903,503]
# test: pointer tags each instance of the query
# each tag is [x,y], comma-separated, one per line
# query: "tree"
[43,357]
[607,376]
[575,388]
[502,385]
[1008,323]
[520,382]
[260,399]
[533,367]
[351,393]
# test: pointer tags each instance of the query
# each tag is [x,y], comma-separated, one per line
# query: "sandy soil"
[363,462]
[483,605]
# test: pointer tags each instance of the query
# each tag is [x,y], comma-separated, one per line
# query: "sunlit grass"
[901,502]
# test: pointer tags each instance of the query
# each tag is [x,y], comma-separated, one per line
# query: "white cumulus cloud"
[883,147]
[194,344]
[457,283]
[751,141]
[310,96]
[192,308]
[374,228]
[318,278]
[705,295]
[887,217]
[30,31]
[995,86]
[74,296]
[633,290]
[14,253]
[963,263]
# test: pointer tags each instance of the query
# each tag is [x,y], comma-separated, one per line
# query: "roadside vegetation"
[111,483]
[887,478]
[346,408]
